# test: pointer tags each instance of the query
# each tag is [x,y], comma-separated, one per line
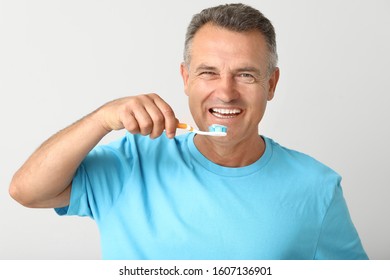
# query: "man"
[241,196]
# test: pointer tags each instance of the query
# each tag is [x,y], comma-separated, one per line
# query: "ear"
[272,82]
[184,74]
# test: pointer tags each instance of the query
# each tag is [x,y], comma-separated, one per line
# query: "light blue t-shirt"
[162,199]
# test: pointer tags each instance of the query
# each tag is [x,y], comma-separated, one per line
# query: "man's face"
[227,81]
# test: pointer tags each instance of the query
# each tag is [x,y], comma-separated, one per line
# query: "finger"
[170,121]
[136,119]
[155,107]
[130,124]
[144,121]
[157,119]
[155,111]
[154,120]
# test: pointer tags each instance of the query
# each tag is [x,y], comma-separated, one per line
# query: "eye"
[208,75]
[205,73]
[246,78]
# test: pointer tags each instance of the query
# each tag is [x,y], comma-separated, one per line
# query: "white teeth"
[226,111]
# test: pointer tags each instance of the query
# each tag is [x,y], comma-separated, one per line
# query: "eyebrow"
[249,69]
[205,67]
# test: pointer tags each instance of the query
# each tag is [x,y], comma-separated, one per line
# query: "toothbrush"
[214,130]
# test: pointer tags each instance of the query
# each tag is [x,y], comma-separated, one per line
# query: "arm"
[45,179]
[339,239]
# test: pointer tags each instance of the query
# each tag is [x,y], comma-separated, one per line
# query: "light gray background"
[59,60]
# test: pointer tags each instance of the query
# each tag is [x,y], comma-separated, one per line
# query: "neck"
[231,154]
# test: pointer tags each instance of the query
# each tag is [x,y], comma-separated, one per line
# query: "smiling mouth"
[224,113]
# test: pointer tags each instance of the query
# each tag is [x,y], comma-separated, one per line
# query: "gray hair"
[235,17]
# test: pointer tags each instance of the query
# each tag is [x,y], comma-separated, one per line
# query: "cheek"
[200,87]
[197,91]
[194,102]
[257,103]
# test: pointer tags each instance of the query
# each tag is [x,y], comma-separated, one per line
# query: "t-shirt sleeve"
[99,180]
[79,204]
[339,239]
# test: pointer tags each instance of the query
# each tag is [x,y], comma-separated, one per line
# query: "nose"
[226,90]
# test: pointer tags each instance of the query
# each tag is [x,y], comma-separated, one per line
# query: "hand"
[147,114]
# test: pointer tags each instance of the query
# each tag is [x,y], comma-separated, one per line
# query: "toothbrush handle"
[185,126]
[182,125]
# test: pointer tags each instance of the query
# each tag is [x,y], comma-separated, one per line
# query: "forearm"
[44,179]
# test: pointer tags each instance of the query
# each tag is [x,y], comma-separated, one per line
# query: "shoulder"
[301,164]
